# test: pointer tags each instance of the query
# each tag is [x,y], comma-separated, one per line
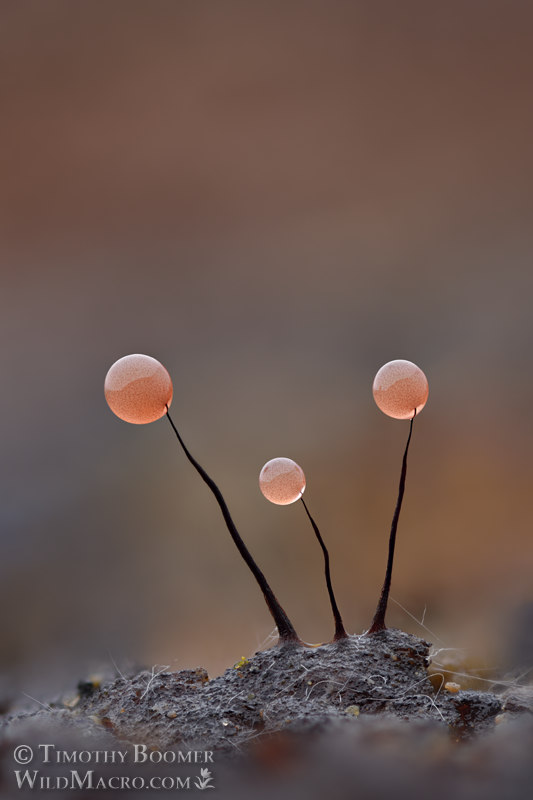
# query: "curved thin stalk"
[285,628]
[378,623]
[340,632]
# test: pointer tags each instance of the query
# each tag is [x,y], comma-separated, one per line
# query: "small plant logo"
[204,779]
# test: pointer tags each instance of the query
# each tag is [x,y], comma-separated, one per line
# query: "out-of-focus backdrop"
[273,199]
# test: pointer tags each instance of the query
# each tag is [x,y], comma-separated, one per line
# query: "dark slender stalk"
[285,628]
[340,632]
[378,623]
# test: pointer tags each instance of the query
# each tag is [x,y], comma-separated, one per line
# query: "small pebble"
[352,710]
[452,687]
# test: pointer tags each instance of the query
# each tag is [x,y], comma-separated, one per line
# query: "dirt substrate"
[357,718]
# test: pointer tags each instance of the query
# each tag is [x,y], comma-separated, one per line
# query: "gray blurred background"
[273,199]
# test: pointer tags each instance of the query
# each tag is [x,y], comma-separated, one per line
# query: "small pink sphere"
[282,481]
[138,388]
[399,388]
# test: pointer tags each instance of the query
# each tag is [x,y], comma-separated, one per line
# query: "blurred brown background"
[273,199]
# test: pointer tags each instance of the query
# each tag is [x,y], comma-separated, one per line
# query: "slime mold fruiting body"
[282,481]
[138,389]
[400,390]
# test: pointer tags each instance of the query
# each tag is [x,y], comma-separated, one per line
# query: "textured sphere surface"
[399,388]
[138,388]
[282,481]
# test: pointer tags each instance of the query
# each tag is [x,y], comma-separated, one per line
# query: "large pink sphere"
[138,388]
[282,481]
[399,388]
